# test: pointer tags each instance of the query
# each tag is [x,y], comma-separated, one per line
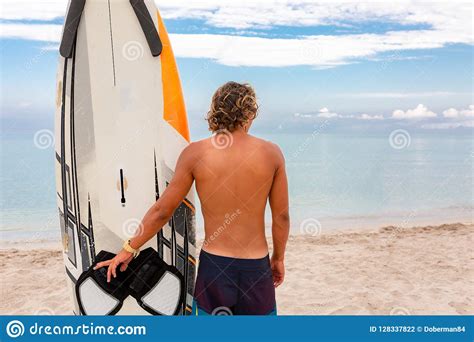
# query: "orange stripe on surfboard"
[174,109]
[189,205]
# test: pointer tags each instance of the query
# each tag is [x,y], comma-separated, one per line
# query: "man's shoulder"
[199,145]
[271,151]
[196,148]
[268,145]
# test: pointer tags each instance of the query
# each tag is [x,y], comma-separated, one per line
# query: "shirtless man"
[235,174]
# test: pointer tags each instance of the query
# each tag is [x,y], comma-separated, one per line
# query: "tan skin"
[233,181]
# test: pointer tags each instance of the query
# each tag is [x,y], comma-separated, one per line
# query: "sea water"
[336,181]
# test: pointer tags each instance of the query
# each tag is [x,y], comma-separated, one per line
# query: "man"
[235,174]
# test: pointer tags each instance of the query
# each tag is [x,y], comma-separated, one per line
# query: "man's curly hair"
[233,105]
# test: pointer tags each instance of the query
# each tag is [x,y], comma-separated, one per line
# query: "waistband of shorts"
[230,262]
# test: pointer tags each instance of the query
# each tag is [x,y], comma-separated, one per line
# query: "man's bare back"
[233,183]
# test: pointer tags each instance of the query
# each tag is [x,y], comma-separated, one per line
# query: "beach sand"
[418,271]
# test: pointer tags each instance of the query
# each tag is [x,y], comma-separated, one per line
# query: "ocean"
[336,181]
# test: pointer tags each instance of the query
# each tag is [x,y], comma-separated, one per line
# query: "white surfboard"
[120,127]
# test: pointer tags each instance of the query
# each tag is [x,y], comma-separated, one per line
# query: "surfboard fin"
[148,27]
[70,27]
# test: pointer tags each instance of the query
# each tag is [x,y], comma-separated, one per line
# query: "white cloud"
[445,23]
[32,10]
[46,33]
[448,125]
[453,113]
[51,47]
[398,95]
[420,112]
[464,116]
[326,113]
[257,51]
[441,15]
[299,115]
[322,113]
[467,112]
[370,117]
[24,104]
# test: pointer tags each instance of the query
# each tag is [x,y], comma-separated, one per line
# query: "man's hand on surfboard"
[278,271]
[122,259]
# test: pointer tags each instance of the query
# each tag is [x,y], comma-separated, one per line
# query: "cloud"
[443,24]
[45,33]
[255,51]
[24,104]
[322,113]
[453,113]
[370,117]
[413,116]
[448,125]
[399,95]
[420,112]
[299,115]
[326,113]
[245,14]
[50,47]
[32,10]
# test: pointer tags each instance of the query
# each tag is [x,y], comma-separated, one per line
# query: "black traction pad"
[140,276]
[149,272]
[118,287]
[148,27]
[70,27]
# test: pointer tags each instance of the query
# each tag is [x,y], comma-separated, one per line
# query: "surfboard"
[120,125]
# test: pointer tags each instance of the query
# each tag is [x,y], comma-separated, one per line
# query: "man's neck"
[240,131]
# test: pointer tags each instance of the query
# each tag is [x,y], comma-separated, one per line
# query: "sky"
[351,64]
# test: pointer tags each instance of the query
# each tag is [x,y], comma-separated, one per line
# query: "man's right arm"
[278,199]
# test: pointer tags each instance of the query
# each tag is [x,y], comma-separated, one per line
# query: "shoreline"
[391,270]
[53,239]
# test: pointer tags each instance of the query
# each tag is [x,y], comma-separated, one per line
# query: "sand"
[419,271]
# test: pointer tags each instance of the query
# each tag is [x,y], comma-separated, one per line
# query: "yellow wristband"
[126,246]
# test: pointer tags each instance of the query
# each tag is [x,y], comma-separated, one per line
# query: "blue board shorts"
[232,286]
